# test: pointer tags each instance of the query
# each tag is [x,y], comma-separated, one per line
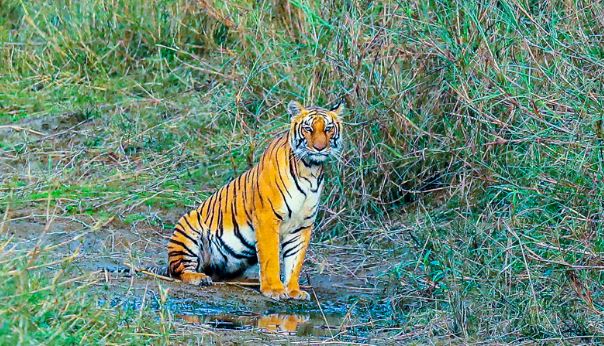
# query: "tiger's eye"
[307,128]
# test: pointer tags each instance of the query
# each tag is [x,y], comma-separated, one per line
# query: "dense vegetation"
[57,309]
[475,135]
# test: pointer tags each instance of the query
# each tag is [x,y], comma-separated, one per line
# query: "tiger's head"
[315,133]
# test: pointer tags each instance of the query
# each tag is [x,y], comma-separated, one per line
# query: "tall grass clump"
[474,126]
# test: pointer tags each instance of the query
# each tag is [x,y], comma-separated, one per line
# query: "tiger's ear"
[294,108]
[338,108]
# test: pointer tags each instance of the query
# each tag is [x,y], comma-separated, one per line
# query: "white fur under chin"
[311,158]
[314,158]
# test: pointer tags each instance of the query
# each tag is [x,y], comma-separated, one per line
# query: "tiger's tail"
[130,269]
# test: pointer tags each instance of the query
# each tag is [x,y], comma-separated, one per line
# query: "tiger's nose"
[319,146]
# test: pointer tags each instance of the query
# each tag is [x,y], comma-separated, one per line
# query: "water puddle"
[310,321]
[332,318]
[313,324]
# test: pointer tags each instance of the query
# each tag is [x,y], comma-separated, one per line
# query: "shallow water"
[332,318]
[306,321]
[312,324]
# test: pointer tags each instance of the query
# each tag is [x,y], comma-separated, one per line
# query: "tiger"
[264,217]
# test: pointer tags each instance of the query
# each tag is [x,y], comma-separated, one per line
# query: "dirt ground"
[343,300]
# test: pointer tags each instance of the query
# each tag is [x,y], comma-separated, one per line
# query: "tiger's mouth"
[317,157]
[313,156]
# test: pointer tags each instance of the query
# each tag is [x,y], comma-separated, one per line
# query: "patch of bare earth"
[338,282]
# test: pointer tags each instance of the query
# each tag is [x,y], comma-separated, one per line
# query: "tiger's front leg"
[267,247]
[294,250]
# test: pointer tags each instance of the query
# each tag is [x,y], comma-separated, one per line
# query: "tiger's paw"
[197,279]
[207,281]
[298,295]
[275,293]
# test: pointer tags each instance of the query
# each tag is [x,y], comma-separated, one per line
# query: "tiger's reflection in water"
[278,323]
[288,324]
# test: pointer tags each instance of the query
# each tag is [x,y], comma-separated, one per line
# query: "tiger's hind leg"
[185,252]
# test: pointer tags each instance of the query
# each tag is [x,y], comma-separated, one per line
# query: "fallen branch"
[134,269]
[224,283]
[19,129]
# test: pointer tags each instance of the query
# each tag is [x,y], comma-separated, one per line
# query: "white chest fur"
[303,204]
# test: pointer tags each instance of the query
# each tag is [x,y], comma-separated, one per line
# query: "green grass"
[474,133]
[58,309]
